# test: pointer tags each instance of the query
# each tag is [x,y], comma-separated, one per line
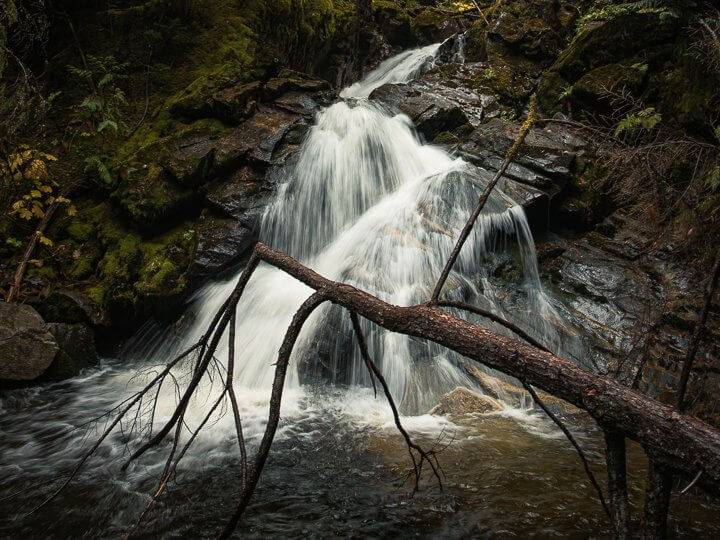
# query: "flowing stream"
[367,203]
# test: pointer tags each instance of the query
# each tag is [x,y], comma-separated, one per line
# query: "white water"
[370,205]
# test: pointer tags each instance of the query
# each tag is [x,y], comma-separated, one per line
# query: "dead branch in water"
[677,441]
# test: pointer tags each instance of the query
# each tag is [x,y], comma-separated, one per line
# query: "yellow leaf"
[46,189]
[36,262]
[71,211]
[49,157]
[17,205]
[45,241]
[35,194]
[37,171]
[37,210]
[24,213]
[62,200]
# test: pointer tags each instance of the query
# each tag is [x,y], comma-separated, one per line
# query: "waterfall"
[371,205]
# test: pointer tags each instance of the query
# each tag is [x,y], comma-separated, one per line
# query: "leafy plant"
[644,120]
[102,109]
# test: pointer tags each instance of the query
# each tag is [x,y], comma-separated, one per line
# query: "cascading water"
[369,204]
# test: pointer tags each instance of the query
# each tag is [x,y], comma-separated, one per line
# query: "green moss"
[446,137]
[595,84]
[80,231]
[149,198]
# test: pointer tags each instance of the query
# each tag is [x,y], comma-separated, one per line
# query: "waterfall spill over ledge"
[367,203]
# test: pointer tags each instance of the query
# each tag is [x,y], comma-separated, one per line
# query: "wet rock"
[221,243]
[27,347]
[77,350]
[461,402]
[298,103]
[242,192]
[432,114]
[256,139]
[289,80]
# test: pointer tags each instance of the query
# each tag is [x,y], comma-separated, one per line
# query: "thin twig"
[572,440]
[467,229]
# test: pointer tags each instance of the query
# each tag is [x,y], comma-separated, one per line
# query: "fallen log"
[678,441]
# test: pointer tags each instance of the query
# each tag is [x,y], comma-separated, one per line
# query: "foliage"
[102,108]
[644,120]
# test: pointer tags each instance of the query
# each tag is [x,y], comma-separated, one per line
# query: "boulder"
[594,85]
[77,350]
[212,97]
[71,307]
[151,199]
[619,37]
[288,80]
[191,160]
[221,243]
[27,347]
[255,139]
[429,105]
[241,193]
[461,402]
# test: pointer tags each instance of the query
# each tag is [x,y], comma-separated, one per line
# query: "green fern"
[644,120]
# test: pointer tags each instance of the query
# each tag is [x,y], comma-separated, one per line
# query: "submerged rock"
[461,402]
[27,347]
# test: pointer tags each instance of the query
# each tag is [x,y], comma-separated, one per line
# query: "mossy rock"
[593,86]
[213,96]
[394,21]
[510,76]
[530,28]
[621,41]
[476,42]
[609,41]
[150,199]
[140,277]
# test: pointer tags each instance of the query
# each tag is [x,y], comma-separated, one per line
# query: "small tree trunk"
[657,501]
[617,482]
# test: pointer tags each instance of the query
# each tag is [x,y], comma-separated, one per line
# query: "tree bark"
[657,500]
[680,441]
[697,334]
[617,482]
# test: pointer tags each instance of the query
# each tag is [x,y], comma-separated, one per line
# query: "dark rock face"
[242,192]
[622,40]
[71,307]
[221,243]
[77,350]
[27,347]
